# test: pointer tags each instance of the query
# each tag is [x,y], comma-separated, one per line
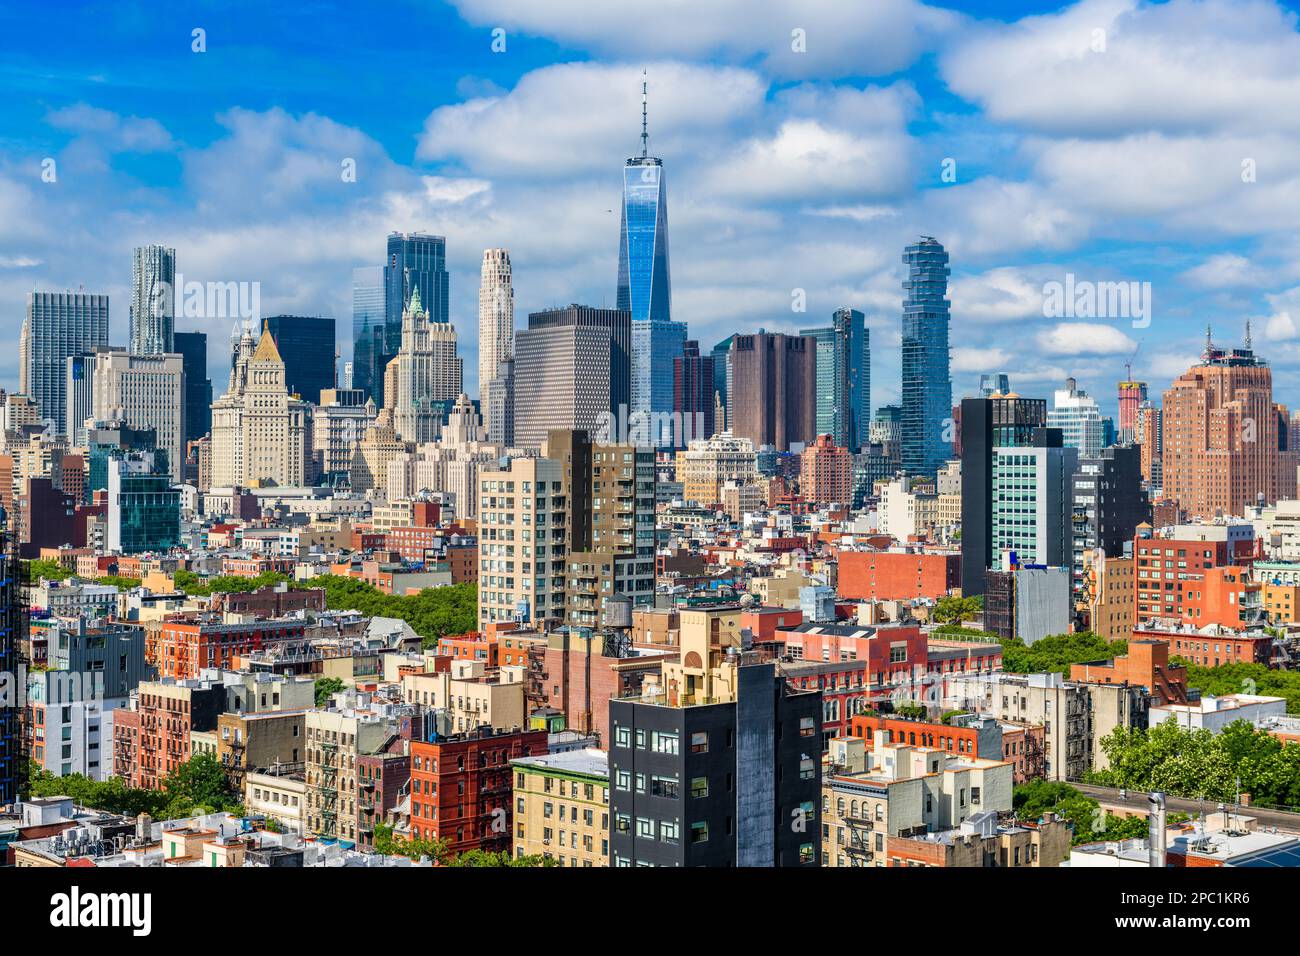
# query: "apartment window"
[623,823]
[664,743]
[669,831]
[807,727]
[623,780]
[700,832]
[664,787]
[700,742]
[699,786]
[640,740]
[623,737]
[645,828]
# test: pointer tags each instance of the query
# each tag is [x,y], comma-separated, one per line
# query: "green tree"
[45,568]
[433,613]
[201,782]
[325,688]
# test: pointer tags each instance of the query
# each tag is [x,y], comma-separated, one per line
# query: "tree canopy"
[1202,764]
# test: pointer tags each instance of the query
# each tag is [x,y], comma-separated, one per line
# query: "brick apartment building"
[897,575]
[182,648]
[461,787]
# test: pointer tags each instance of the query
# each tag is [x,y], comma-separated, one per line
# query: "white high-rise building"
[143,391]
[496,321]
[426,374]
[259,434]
[1078,416]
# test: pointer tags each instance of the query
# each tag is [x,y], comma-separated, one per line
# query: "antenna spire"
[1248,335]
[645,133]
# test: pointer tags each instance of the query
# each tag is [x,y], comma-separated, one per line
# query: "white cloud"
[582,117]
[1185,65]
[1084,338]
[874,39]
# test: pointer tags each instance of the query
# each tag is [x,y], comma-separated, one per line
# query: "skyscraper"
[722,375]
[144,391]
[259,432]
[1131,396]
[571,371]
[774,389]
[58,325]
[426,373]
[193,350]
[1016,495]
[372,348]
[415,260]
[307,344]
[1076,414]
[844,379]
[496,324]
[153,300]
[927,382]
[1225,441]
[693,393]
[644,287]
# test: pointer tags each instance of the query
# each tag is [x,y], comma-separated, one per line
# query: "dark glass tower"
[844,379]
[193,349]
[927,381]
[369,332]
[644,288]
[306,343]
[415,261]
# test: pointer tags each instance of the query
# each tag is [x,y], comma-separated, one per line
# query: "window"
[623,823]
[699,742]
[807,727]
[623,780]
[623,737]
[664,787]
[645,827]
[699,786]
[700,832]
[664,743]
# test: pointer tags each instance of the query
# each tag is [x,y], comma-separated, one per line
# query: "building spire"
[1248,335]
[645,132]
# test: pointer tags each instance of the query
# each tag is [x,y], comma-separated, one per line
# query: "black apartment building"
[735,783]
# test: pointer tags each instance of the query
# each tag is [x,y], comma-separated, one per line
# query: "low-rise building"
[562,807]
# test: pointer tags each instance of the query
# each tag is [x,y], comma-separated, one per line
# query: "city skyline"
[778,139]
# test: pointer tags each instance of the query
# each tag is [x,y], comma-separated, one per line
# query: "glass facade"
[644,289]
[926,379]
[144,510]
[843,379]
[153,300]
[306,343]
[371,345]
[59,325]
[193,350]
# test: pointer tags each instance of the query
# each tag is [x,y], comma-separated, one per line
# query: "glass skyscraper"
[927,380]
[193,350]
[58,325]
[369,332]
[416,261]
[843,379]
[644,288]
[306,342]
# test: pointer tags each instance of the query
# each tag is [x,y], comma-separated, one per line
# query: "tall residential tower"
[927,381]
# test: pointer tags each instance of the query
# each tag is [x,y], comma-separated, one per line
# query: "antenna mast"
[645,134]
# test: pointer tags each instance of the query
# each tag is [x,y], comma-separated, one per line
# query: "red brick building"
[1146,664]
[826,473]
[897,575]
[461,787]
[1197,582]
[182,648]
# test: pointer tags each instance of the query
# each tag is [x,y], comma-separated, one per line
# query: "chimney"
[1156,829]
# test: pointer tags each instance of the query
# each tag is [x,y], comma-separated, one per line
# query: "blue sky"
[786,170]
